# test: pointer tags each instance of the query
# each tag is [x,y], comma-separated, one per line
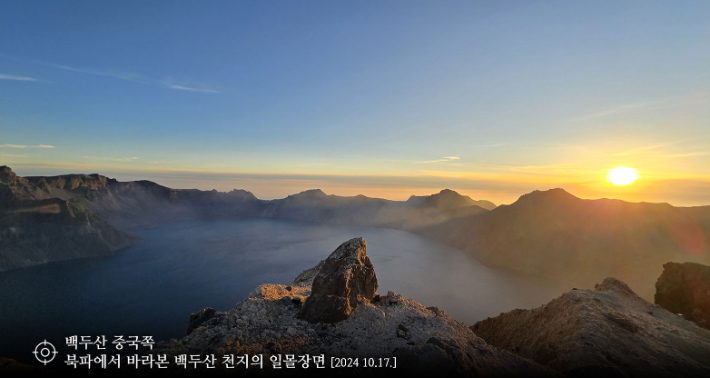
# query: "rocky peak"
[557,195]
[424,340]
[447,199]
[7,176]
[310,194]
[613,284]
[242,195]
[346,279]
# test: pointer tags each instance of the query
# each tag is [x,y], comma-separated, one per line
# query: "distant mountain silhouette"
[555,234]
[450,200]
[316,206]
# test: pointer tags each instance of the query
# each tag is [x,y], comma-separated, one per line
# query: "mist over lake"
[177,269]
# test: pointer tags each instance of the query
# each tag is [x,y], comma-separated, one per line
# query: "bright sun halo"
[622,176]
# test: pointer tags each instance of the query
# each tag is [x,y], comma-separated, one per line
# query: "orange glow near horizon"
[503,185]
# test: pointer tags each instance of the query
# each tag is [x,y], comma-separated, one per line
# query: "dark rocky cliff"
[685,289]
[39,231]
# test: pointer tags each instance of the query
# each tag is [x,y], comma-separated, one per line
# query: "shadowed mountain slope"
[131,205]
[38,231]
[555,234]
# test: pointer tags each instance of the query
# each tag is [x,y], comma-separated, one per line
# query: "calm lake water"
[177,269]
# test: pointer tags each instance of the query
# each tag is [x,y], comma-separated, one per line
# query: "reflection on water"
[151,288]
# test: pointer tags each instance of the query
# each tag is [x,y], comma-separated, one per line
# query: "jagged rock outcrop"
[606,332]
[346,279]
[685,289]
[424,340]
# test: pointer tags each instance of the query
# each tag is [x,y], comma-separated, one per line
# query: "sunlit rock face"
[346,279]
[610,332]
[685,289]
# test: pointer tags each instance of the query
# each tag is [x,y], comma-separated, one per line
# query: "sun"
[622,176]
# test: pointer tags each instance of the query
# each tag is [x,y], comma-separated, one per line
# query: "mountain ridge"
[135,205]
[549,233]
[555,234]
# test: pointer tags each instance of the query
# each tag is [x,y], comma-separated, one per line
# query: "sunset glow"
[479,104]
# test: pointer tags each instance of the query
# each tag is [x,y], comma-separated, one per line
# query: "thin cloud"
[614,111]
[14,155]
[18,78]
[125,159]
[25,146]
[183,88]
[120,75]
[135,78]
[172,84]
[445,159]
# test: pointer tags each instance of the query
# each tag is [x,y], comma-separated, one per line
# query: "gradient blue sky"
[386,98]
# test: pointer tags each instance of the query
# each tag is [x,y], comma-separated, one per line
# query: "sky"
[382,98]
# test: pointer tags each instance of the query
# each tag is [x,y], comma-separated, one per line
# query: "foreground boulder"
[424,340]
[685,289]
[607,332]
[346,279]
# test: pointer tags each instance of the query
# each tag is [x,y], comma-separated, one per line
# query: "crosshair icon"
[43,351]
